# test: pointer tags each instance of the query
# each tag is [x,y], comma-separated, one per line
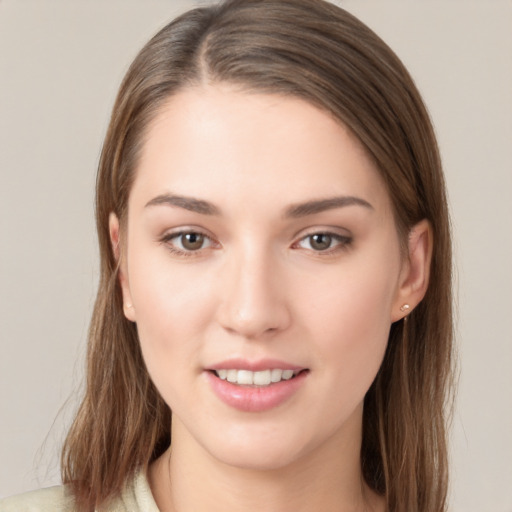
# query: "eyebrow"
[294,211]
[322,205]
[188,203]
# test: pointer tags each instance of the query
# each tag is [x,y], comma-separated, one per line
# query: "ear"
[115,240]
[415,272]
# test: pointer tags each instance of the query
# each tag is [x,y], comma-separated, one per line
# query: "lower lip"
[253,398]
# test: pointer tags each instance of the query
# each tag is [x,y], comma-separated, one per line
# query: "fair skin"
[252,277]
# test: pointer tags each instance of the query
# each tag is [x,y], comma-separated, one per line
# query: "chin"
[256,460]
[258,452]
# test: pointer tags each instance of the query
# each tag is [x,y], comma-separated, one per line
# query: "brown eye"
[187,243]
[320,242]
[325,242]
[192,241]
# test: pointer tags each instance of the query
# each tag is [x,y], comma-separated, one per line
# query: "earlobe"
[415,274]
[115,240]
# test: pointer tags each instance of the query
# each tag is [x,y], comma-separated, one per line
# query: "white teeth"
[287,374]
[245,377]
[276,375]
[261,378]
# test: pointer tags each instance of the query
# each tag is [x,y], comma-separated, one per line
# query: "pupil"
[321,242]
[193,241]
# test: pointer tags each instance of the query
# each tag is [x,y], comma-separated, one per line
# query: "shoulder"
[54,499]
[136,496]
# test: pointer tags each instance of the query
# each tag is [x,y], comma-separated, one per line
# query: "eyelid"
[334,231]
[344,241]
[183,230]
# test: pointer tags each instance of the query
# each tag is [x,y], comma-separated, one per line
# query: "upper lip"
[254,366]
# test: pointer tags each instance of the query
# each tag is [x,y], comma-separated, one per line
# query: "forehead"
[234,147]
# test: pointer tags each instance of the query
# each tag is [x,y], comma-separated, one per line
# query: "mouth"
[261,378]
[256,387]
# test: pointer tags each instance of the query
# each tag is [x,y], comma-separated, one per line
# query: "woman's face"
[260,244]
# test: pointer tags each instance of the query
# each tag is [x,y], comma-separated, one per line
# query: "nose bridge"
[253,302]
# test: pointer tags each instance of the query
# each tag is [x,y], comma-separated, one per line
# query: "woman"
[275,271]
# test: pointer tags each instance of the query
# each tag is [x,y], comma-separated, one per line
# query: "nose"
[253,303]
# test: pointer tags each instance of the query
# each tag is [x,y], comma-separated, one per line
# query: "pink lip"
[254,398]
[254,366]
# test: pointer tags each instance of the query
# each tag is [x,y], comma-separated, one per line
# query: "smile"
[259,378]
[259,389]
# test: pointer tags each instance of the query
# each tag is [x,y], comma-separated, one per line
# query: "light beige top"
[136,497]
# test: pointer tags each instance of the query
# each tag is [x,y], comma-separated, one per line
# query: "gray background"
[60,64]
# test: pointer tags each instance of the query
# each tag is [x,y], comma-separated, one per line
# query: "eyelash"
[343,242]
[167,239]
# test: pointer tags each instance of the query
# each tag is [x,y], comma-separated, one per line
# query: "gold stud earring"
[404,308]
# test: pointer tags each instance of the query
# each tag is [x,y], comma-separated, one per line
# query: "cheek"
[355,319]
[356,295]
[172,308]
[350,322]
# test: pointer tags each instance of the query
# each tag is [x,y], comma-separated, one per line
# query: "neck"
[327,478]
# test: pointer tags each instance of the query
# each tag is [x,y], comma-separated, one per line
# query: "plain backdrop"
[61,62]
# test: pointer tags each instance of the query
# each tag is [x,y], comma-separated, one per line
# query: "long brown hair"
[318,52]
